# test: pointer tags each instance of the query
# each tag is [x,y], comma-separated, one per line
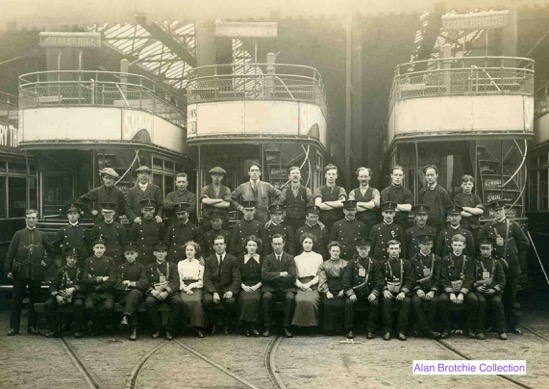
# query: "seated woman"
[250,297]
[191,276]
[307,300]
[330,287]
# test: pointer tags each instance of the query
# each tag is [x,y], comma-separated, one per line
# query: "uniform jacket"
[354,277]
[270,273]
[321,238]
[72,236]
[99,267]
[177,235]
[444,241]
[145,235]
[135,195]
[68,277]
[382,233]
[132,272]
[411,239]
[431,263]
[226,279]
[241,230]
[454,268]
[495,270]
[400,195]
[287,232]
[154,271]
[103,194]
[407,279]
[116,235]
[209,237]
[27,250]
[345,232]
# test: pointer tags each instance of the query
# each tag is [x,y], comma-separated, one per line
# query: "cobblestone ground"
[303,362]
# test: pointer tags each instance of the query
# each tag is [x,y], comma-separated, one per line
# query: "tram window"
[157,180]
[542,160]
[17,167]
[168,166]
[17,195]
[157,164]
[2,166]
[3,204]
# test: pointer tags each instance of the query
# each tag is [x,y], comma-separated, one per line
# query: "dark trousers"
[372,308]
[471,309]
[267,300]
[53,313]
[131,300]
[425,321]
[176,309]
[209,308]
[509,303]
[497,307]
[98,305]
[403,313]
[18,292]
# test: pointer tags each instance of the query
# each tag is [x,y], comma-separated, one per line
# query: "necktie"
[220,262]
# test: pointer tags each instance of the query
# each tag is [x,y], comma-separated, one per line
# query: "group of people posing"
[324,255]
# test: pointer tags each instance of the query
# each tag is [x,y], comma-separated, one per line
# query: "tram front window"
[57,191]
[17,196]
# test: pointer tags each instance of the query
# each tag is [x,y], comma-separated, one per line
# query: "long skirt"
[192,308]
[333,313]
[307,305]
[249,305]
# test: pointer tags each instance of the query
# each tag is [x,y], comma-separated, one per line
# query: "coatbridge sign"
[70,39]
[475,20]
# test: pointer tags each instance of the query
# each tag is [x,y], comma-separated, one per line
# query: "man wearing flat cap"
[312,228]
[444,239]
[112,230]
[147,232]
[72,234]
[106,193]
[511,248]
[215,198]
[181,232]
[420,227]
[387,230]
[277,226]
[143,189]
[347,230]
[180,195]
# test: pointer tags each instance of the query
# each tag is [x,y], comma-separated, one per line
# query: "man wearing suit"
[143,190]
[278,276]
[221,283]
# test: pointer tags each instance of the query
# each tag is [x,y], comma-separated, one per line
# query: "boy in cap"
[66,288]
[99,279]
[163,287]
[295,197]
[106,193]
[313,228]
[512,249]
[215,197]
[246,227]
[402,196]
[180,195]
[385,231]
[131,282]
[420,227]
[444,240]
[426,265]
[489,285]
[347,230]
[181,232]
[72,234]
[329,198]
[143,189]
[112,230]
[362,282]
[147,232]
[368,199]
[471,203]
[277,226]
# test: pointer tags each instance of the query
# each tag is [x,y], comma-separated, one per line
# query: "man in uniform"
[278,274]
[400,195]
[246,227]
[216,220]
[368,199]
[106,193]
[312,228]
[420,227]
[362,282]
[163,286]
[182,232]
[472,205]
[329,198]
[180,195]
[99,279]
[25,264]
[347,230]
[72,234]
[436,197]
[112,230]
[444,239]
[143,189]
[131,283]
[277,226]
[215,197]
[221,283]
[512,249]
[263,193]
[295,198]
[147,231]
[426,265]
[66,288]
[385,231]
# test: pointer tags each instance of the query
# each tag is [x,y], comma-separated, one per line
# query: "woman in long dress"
[249,298]
[307,299]
[191,277]
[330,287]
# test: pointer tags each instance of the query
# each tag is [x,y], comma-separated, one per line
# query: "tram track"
[270,365]
[132,380]
[89,376]
[534,332]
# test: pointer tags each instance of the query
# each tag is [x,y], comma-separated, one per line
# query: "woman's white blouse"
[191,271]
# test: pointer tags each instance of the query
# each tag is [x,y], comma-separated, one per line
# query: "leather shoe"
[200,334]
[52,334]
[12,332]
[401,336]
[350,334]
[435,335]
[169,336]
[255,333]
[155,335]
[471,335]
[287,333]
[133,335]
[445,334]
[515,331]
[370,335]
[77,335]
[124,323]
[387,336]
[226,330]
[266,333]
[33,331]
[248,333]
[503,336]
[481,336]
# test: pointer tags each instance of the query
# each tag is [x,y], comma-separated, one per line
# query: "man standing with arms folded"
[215,197]
[329,198]
[368,199]
[400,195]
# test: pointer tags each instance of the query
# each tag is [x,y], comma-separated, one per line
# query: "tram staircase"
[279,159]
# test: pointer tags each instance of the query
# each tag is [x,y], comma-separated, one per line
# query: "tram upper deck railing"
[256,81]
[468,76]
[100,88]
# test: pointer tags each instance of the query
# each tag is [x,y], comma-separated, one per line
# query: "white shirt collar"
[247,258]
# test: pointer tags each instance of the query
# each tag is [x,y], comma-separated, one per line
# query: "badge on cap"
[248,203]
[349,204]
[312,209]
[277,208]
[101,239]
[454,210]
[421,208]
[182,207]
[73,252]
[131,246]
[72,208]
[389,206]
[161,245]
[148,203]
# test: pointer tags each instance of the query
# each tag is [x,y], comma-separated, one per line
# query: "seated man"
[362,283]
[99,278]
[66,289]
[163,286]
[131,282]
[278,273]
[426,266]
[489,285]
[221,283]
[399,281]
